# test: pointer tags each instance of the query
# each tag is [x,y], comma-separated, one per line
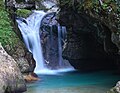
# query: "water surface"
[74,82]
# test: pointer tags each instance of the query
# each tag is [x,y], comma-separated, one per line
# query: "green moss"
[7,35]
[23,12]
[1,4]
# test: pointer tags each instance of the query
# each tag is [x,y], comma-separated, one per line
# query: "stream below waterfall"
[74,82]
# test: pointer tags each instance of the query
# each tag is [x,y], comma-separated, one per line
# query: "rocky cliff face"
[19,52]
[21,55]
[89,41]
[11,79]
[89,44]
[11,39]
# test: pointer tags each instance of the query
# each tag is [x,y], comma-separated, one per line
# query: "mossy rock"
[23,13]
[7,35]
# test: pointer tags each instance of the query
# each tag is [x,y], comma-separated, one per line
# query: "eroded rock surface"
[115,89]
[11,79]
[89,45]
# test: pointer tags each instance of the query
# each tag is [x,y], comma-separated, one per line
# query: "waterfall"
[26,0]
[59,45]
[64,33]
[31,31]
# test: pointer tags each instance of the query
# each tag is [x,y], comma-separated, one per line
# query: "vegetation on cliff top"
[106,11]
[7,35]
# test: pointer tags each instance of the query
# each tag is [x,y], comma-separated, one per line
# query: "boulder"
[115,89]
[11,79]
[30,77]
[21,55]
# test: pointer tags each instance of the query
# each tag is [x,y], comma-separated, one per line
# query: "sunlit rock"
[30,77]
[11,79]
[115,89]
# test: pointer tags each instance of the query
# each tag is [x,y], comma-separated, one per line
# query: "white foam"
[54,72]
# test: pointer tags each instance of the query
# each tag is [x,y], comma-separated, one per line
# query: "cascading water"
[64,34]
[59,45]
[61,40]
[26,0]
[31,32]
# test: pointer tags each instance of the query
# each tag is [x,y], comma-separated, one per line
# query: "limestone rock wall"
[89,43]
[11,79]
[19,52]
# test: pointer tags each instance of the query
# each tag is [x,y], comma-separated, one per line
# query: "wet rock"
[18,51]
[50,49]
[11,79]
[85,53]
[17,4]
[30,77]
[115,89]
[23,65]
[89,45]
[50,5]
[116,39]
[21,55]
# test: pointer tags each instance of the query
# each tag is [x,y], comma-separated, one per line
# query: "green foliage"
[23,12]
[7,35]
[1,4]
[108,12]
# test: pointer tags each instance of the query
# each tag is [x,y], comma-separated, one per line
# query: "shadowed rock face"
[50,50]
[84,52]
[11,79]
[89,45]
